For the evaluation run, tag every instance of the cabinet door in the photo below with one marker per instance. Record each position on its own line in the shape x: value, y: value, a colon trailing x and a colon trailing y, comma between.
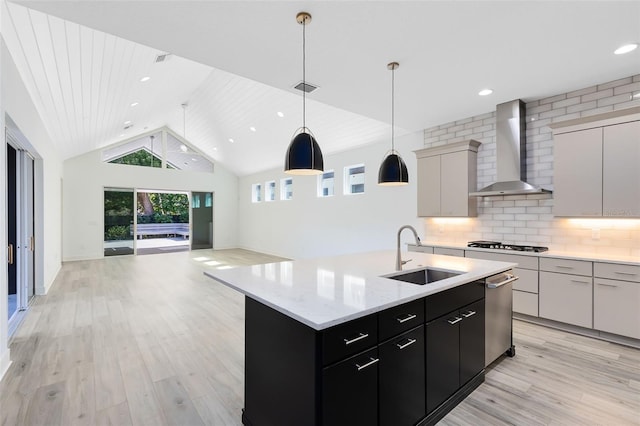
x: 350, y: 391
x: 577, y: 181
x: 621, y: 174
x: 616, y: 307
x: 471, y: 341
x: 443, y: 359
x: 429, y: 186
x: 566, y: 298
x: 402, y: 379
x: 454, y: 184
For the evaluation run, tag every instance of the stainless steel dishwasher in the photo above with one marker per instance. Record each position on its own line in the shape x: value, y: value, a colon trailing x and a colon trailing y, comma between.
x: 498, y: 316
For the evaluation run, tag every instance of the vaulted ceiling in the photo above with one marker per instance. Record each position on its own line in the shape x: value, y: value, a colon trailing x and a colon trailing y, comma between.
x: 235, y: 64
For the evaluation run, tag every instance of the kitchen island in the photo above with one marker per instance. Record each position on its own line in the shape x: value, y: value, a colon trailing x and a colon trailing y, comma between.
x: 334, y: 340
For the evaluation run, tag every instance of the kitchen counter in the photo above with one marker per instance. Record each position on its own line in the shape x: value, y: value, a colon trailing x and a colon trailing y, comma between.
x: 571, y: 255
x: 324, y: 292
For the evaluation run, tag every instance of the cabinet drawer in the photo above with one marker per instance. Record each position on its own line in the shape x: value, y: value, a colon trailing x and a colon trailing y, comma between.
x: 524, y: 262
x: 616, y: 271
x: 349, y: 338
x: 528, y: 280
x: 401, y: 318
x: 525, y: 303
x: 566, y: 266
x: 446, y: 301
x: 566, y: 298
x: 616, y: 307
x: 448, y: 251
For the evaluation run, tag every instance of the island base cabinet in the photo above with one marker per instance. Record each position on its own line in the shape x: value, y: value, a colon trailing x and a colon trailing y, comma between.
x: 443, y: 359
x: 350, y: 391
x: 402, y: 379
x: 472, y: 340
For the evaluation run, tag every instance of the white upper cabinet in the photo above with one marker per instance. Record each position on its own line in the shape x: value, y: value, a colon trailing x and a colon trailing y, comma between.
x: 596, y: 171
x: 621, y: 170
x: 577, y: 186
x: 446, y: 175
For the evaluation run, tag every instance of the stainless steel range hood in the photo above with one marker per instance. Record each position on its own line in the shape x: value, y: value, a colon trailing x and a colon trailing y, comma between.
x: 511, y: 153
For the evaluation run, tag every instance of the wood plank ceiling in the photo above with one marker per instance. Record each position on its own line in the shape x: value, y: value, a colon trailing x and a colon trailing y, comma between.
x: 86, y: 85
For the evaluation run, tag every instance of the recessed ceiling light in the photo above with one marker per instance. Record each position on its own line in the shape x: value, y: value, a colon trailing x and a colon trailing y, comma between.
x: 134, y: 104
x: 127, y: 122
x: 194, y: 159
x: 215, y: 148
x: 626, y: 48
x: 183, y: 148
x: 146, y: 78
x: 253, y: 129
x: 122, y: 135
x: 485, y: 92
x: 280, y: 114
x: 231, y: 140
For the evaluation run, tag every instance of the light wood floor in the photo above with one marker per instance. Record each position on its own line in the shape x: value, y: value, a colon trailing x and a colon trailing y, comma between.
x: 149, y: 340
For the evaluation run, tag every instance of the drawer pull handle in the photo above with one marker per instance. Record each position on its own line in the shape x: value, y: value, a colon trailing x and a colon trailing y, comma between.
x: 454, y: 320
x: 368, y: 364
x: 408, y: 317
x: 580, y: 282
x: 626, y: 273
x: 607, y: 285
x: 564, y: 267
x: 355, y: 339
x: 468, y: 314
x: 404, y: 345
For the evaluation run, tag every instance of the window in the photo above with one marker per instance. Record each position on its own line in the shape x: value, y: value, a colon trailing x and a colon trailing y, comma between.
x: 354, y: 179
x: 256, y: 193
x: 325, y: 184
x: 286, y: 189
x: 270, y: 191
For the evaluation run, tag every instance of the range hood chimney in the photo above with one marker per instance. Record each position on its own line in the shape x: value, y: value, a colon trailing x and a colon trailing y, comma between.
x: 511, y: 153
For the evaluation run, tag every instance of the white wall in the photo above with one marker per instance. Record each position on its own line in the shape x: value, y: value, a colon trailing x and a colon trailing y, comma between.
x: 86, y: 176
x: 309, y: 226
x: 16, y: 102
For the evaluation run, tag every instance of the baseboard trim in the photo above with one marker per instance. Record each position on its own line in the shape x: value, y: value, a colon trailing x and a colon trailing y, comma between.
x: 588, y: 332
x: 5, y: 362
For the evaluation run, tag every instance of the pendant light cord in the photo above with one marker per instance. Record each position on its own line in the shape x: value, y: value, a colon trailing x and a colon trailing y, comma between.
x: 393, y: 97
x: 304, y: 78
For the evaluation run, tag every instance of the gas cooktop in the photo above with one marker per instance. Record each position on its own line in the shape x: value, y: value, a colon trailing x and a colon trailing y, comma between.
x: 500, y: 246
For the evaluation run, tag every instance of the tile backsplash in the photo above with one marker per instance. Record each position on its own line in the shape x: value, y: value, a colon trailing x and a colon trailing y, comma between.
x: 528, y: 219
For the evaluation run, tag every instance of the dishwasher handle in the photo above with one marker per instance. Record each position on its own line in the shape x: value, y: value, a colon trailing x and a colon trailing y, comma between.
x: 509, y: 278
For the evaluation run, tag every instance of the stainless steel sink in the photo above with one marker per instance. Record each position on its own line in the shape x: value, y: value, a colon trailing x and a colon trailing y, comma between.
x: 423, y: 276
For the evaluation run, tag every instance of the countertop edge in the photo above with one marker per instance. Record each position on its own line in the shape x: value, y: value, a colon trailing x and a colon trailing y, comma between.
x: 550, y: 253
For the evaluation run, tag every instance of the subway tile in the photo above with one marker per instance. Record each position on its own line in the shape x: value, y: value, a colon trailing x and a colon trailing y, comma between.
x: 625, y: 97
x: 627, y: 88
x: 581, y: 92
x: 582, y: 106
x: 596, y: 111
x: 515, y: 210
x: 504, y: 203
x: 553, y: 99
x: 629, y: 104
x: 566, y: 102
x: 615, y: 83
x: 597, y: 95
x: 502, y: 216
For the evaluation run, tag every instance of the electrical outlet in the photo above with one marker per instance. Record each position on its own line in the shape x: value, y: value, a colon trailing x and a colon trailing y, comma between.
x: 595, y: 234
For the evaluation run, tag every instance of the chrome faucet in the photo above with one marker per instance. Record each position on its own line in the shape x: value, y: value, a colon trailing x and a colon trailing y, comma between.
x: 399, y: 261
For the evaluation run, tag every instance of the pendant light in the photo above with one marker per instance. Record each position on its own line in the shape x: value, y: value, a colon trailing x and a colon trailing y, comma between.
x: 393, y: 171
x: 303, y: 155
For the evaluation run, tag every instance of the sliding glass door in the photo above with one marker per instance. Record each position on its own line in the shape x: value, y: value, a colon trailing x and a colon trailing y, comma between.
x: 119, y: 208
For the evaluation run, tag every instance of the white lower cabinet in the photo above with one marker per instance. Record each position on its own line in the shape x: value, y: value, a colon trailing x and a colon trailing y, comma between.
x: 616, y: 307
x: 567, y: 298
x: 525, y: 303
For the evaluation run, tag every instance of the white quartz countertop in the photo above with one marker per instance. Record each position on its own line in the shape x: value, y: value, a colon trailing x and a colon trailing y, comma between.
x: 573, y: 255
x: 327, y: 291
